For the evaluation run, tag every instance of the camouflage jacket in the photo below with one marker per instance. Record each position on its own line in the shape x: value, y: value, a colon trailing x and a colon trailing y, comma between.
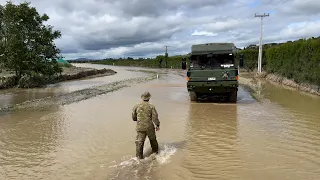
x: 145, y: 114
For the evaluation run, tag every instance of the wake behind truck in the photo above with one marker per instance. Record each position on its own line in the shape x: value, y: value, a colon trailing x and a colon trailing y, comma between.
x: 212, y: 72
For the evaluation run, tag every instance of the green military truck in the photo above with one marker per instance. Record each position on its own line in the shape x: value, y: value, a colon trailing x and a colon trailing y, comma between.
x: 212, y: 72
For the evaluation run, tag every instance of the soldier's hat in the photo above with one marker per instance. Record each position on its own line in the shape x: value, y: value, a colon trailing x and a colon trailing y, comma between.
x: 145, y: 96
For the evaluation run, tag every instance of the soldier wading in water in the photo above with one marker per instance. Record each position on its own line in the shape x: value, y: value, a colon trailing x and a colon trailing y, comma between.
x: 145, y: 114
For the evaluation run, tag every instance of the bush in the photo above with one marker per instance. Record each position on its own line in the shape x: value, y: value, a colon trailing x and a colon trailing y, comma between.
x: 35, y: 80
x: 298, y: 60
x: 67, y: 65
x: 7, y: 82
x: 174, y: 61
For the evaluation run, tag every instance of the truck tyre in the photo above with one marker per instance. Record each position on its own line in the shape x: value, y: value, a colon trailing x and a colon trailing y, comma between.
x: 193, y: 96
x: 233, y: 96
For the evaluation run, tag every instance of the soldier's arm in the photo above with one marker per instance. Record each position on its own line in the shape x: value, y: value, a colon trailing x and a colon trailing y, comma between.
x: 134, y: 113
x: 155, y: 117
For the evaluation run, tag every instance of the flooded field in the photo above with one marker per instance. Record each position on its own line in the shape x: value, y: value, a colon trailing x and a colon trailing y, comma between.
x: 94, y: 139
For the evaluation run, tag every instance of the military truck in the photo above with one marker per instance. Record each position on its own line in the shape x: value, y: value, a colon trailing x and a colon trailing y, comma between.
x: 212, y: 72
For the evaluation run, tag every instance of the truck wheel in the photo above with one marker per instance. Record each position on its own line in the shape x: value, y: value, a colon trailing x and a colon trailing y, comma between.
x: 193, y: 96
x: 233, y: 96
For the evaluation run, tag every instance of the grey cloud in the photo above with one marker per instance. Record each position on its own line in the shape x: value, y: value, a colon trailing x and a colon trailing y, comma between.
x: 108, y: 28
x: 160, y: 7
x: 301, y: 8
x: 129, y: 33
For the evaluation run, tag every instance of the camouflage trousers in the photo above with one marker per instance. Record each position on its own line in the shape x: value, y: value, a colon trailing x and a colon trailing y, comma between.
x: 140, y: 139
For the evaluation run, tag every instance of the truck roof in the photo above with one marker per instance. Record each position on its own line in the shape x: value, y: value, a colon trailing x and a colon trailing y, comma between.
x: 215, y: 48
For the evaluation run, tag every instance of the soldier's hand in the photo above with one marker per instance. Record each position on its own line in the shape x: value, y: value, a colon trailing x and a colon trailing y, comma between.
x: 157, y: 128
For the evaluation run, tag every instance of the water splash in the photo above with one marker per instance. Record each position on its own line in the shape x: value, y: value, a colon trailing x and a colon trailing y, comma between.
x: 132, y: 167
x: 162, y: 158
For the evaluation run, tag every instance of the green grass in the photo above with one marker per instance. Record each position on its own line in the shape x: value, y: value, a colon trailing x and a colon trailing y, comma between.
x: 174, y: 62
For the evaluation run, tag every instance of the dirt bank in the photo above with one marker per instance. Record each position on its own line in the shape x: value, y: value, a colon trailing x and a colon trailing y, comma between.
x: 254, y: 86
x: 284, y: 82
x: 289, y: 83
x: 81, y: 72
x: 304, y: 87
x: 8, y: 79
x: 68, y: 98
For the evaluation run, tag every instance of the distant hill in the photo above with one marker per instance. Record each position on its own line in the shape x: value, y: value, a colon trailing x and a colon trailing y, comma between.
x: 81, y: 59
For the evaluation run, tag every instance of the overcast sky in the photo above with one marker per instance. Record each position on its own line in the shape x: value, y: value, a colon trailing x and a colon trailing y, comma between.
x: 141, y: 28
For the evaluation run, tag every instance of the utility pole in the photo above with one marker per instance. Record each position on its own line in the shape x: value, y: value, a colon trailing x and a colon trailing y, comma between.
x: 166, y: 56
x: 261, y: 16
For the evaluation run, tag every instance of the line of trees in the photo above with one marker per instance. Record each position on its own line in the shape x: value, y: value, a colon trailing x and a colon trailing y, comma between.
x: 26, y: 44
x: 298, y: 60
x: 159, y: 61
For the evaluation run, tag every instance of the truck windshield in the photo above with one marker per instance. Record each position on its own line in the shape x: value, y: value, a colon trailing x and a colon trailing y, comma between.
x: 217, y: 60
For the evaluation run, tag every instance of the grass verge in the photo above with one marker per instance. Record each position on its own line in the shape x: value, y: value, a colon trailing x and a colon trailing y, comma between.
x: 254, y: 86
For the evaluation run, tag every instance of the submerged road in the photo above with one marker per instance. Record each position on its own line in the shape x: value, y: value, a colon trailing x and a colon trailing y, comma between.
x: 277, y: 139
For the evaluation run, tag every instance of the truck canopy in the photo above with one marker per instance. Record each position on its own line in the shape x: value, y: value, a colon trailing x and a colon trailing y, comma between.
x: 213, y: 48
x: 221, y: 55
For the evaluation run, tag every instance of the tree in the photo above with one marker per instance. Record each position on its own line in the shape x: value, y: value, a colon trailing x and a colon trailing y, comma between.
x: 159, y: 59
x: 26, y: 43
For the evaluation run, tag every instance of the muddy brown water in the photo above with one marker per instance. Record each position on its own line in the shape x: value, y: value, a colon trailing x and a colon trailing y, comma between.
x: 14, y: 96
x: 94, y: 139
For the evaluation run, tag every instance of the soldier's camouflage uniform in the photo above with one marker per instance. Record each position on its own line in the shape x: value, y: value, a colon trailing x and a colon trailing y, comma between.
x: 145, y: 114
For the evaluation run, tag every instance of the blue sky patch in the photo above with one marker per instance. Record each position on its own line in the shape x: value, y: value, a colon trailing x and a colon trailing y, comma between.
x: 254, y: 4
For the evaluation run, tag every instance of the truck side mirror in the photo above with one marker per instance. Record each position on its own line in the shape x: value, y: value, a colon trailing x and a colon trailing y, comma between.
x: 241, y: 64
x: 184, y: 63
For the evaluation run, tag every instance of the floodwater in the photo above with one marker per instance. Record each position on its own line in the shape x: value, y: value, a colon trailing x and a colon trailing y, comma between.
x: 15, y: 96
x: 94, y: 139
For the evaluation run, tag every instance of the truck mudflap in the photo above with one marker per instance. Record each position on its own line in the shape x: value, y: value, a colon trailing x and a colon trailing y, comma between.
x: 214, y: 91
x: 212, y: 87
x: 220, y: 98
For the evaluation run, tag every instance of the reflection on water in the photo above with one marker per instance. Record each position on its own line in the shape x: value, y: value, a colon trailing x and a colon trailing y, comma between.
x: 292, y: 99
x: 29, y: 141
x: 15, y: 96
x: 250, y: 141
x: 212, y: 139
x: 276, y: 144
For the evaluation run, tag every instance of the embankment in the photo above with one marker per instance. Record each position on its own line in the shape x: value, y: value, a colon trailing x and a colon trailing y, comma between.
x: 75, y: 73
x: 251, y: 81
x: 289, y: 83
x: 8, y: 80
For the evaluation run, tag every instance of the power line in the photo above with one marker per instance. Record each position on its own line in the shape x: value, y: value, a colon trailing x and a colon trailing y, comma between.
x: 166, y: 56
x: 261, y: 16
x: 275, y: 7
x: 261, y: 8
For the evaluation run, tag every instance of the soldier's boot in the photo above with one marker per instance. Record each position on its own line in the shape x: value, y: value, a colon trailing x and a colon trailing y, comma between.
x: 154, y: 146
x: 139, y: 149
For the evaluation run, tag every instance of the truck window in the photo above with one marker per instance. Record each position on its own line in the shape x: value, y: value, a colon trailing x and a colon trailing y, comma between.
x: 202, y: 61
